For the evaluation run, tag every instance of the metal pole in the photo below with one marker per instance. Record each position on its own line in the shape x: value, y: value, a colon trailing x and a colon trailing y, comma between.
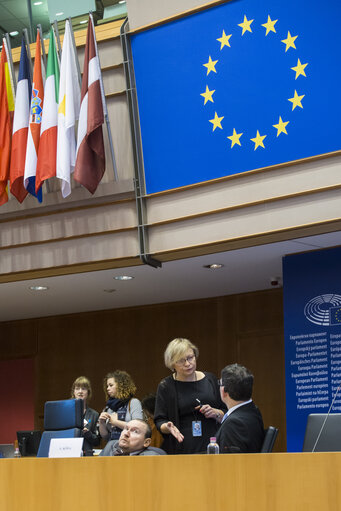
x: 105, y: 108
x: 30, y: 19
x: 56, y: 34
x: 75, y: 53
x: 28, y: 49
x: 39, y: 27
x: 139, y: 181
x: 10, y: 61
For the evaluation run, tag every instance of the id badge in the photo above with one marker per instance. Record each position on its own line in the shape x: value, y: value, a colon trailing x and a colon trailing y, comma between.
x: 196, y: 428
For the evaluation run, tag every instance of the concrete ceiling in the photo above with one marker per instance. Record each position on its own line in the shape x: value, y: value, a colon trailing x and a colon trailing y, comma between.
x: 244, y: 270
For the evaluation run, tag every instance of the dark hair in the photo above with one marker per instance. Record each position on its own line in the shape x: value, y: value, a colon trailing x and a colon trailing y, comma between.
x: 125, y: 385
x: 237, y: 381
x: 148, y: 403
x: 148, y: 433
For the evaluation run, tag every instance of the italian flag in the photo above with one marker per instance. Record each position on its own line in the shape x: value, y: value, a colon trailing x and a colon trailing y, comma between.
x: 47, y: 154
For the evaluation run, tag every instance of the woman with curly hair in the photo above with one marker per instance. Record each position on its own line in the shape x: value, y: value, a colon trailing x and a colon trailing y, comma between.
x: 121, y: 406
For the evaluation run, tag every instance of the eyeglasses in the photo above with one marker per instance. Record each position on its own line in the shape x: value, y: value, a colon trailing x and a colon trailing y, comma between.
x: 183, y: 361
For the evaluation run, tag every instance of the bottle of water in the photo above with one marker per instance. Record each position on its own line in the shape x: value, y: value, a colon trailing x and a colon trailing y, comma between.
x: 213, y: 447
x: 17, y: 453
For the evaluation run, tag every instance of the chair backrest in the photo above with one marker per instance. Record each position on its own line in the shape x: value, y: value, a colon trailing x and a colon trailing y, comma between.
x: 269, y: 439
x: 63, y: 414
x: 62, y: 419
x: 44, y: 446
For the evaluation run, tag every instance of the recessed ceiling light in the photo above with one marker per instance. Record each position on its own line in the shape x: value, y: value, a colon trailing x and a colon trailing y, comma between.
x: 59, y: 13
x: 38, y: 288
x: 214, y: 266
x: 37, y: 3
x: 14, y: 33
x: 123, y: 277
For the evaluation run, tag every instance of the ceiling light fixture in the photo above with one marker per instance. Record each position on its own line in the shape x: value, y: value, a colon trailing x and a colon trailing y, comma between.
x: 83, y: 21
x: 37, y: 3
x: 214, y: 266
x: 14, y: 33
x: 122, y: 1
x: 38, y: 288
x: 123, y: 277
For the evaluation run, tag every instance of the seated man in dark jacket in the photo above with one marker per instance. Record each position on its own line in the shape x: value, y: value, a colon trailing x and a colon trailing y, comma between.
x: 134, y: 441
x: 242, y: 428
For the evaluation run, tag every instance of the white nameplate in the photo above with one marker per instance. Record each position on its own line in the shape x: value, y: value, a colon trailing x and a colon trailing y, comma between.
x: 66, y: 447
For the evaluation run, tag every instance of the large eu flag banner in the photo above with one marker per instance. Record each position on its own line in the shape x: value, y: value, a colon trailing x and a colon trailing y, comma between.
x: 238, y: 87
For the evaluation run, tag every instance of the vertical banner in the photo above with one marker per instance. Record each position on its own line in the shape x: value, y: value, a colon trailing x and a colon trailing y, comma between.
x: 312, y: 328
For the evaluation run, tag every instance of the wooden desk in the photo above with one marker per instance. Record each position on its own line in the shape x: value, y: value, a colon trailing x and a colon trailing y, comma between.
x: 238, y: 482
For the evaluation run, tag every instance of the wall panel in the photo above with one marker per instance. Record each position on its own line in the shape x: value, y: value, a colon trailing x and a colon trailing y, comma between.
x: 244, y: 328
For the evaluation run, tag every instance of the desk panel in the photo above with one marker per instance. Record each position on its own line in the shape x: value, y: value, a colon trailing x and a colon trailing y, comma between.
x: 241, y: 482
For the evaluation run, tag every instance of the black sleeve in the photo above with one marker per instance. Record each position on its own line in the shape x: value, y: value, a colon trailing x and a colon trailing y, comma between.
x: 92, y: 436
x: 161, y: 414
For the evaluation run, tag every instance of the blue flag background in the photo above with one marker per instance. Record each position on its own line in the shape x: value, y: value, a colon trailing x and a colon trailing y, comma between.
x: 276, y: 89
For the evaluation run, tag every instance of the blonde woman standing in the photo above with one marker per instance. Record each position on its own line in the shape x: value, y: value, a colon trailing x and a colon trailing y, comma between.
x: 188, y: 407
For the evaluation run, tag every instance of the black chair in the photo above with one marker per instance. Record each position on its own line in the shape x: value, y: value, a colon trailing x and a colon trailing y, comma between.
x: 269, y: 439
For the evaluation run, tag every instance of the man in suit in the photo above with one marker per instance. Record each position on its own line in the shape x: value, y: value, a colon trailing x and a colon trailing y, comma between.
x: 242, y: 428
x: 134, y: 441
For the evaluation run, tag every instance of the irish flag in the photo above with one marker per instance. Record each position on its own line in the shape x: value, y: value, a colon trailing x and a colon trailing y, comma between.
x: 20, y: 127
x: 33, y: 138
x: 47, y: 154
x: 6, y: 119
x: 90, y: 163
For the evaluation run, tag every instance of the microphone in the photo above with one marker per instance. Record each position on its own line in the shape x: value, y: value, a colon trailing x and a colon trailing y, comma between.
x: 325, y: 420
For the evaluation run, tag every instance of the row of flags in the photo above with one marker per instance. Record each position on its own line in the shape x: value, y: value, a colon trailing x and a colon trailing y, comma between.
x: 38, y: 138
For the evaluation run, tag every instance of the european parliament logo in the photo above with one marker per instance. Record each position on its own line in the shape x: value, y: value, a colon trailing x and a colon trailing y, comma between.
x: 324, y: 310
x: 238, y: 87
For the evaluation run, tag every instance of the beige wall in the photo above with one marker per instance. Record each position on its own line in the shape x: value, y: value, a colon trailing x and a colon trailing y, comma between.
x: 145, y: 12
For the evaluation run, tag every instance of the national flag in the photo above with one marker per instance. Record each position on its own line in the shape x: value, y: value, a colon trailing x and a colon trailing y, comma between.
x: 33, y: 138
x: 90, y: 162
x: 20, y: 127
x: 68, y: 113
x: 47, y: 155
x: 6, y: 119
x: 238, y: 87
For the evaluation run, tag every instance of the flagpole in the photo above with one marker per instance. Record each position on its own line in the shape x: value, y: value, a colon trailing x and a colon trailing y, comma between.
x: 57, y: 38
x: 75, y: 52
x: 105, y: 108
x: 39, y: 27
x: 10, y: 61
x: 28, y: 50
x: 42, y: 46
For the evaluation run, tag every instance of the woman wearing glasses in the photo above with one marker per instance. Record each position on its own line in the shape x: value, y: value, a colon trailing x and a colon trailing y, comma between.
x: 188, y: 406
